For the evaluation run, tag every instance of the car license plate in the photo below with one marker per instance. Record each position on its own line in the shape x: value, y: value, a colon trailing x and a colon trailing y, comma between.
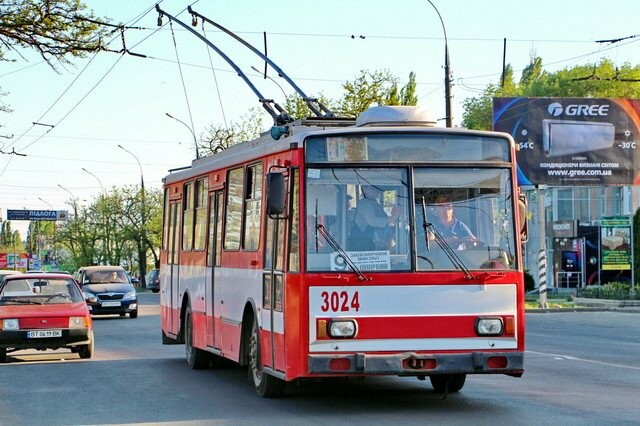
x: 110, y: 304
x: 40, y: 334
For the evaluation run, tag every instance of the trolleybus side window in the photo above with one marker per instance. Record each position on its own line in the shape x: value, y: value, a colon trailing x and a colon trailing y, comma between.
x: 201, y: 213
x: 165, y: 220
x: 233, y: 217
x: 253, y: 207
x: 187, y: 219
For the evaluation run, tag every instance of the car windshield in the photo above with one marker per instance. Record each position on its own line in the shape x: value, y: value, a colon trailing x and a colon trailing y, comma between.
x: 40, y: 291
x: 105, y: 277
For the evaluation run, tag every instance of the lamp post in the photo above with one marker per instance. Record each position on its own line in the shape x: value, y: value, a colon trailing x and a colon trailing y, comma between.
x: 97, y: 178
x: 195, y: 141
x: 275, y: 82
x: 142, y: 249
x: 447, y: 71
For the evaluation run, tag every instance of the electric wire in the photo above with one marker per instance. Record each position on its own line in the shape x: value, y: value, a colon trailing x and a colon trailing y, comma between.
x: 184, y: 87
x: 215, y: 79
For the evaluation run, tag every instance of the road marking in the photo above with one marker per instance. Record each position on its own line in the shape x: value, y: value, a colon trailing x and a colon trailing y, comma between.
x: 573, y: 358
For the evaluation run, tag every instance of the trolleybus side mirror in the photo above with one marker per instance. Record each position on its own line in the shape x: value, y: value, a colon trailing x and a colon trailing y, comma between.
x: 522, y: 215
x: 276, y: 194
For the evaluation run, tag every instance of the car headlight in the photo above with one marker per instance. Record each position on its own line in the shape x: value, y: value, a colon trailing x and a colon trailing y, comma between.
x: 130, y: 295
x: 10, y: 324
x: 342, y: 328
x: 79, y: 322
x: 489, y: 326
x: 88, y: 295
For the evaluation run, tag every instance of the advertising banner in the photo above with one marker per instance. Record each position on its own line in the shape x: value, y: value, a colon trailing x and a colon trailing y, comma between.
x: 572, y: 141
x: 37, y: 215
x: 615, y: 240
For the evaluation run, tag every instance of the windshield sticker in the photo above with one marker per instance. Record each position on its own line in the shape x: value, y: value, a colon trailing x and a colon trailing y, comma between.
x: 365, y: 260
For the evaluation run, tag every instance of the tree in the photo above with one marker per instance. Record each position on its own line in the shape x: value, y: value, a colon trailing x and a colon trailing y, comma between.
x: 219, y: 138
x: 601, y: 80
x: 374, y: 88
x: 368, y: 89
x: 111, y: 231
x: 54, y: 28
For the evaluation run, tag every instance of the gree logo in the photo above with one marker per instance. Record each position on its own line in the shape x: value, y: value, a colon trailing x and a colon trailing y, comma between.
x: 556, y: 109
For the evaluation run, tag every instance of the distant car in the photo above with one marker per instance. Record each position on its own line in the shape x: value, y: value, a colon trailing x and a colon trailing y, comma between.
x: 133, y: 280
x: 44, y: 311
x: 111, y: 288
x: 6, y: 272
x: 153, y: 280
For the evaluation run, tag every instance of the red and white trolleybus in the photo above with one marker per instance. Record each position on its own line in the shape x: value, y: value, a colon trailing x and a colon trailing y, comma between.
x: 270, y: 260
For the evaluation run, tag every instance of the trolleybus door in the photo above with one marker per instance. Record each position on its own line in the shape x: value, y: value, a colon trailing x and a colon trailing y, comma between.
x: 172, y: 286
x: 273, y: 295
x: 213, y: 261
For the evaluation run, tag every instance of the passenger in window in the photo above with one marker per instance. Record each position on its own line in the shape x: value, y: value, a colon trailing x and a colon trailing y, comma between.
x: 454, y: 231
x: 372, y: 227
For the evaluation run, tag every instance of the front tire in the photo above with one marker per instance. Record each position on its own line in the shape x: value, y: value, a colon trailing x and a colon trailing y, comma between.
x: 86, y: 351
x: 266, y: 386
x: 133, y: 314
x: 3, y: 355
x: 447, y: 383
x: 196, y: 358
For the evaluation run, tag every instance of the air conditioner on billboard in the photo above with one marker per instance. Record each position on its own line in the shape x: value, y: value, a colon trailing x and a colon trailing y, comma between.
x: 565, y: 137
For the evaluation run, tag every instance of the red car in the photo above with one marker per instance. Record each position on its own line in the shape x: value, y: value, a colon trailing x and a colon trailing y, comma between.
x: 44, y: 311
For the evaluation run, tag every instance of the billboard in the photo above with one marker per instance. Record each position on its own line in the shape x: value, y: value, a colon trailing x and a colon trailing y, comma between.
x: 572, y: 141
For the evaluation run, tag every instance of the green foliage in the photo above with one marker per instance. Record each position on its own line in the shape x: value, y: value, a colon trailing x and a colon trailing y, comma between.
x: 54, y: 28
x: 613, y: 290
x: 529, y: 282
x: 375, y: 88
x: 120, y: 227
x: 603, y: 79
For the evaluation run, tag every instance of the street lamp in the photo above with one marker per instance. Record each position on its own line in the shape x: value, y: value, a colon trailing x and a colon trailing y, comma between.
x: 276, y: 83
x: 97, y: 178
x: 195, y: 141
x: 143, y: 240
x: 447, y: 72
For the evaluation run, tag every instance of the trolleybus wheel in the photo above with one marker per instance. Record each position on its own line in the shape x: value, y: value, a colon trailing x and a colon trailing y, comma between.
x: 266, y: 386
x: 448, y: 383
x: 196, y: 358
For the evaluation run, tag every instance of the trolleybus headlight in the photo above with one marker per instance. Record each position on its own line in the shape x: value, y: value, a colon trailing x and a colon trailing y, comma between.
x: 489, y: 326
x: 342, y: 328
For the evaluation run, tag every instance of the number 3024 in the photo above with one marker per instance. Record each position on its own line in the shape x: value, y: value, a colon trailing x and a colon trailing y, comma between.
x: 339, y: 301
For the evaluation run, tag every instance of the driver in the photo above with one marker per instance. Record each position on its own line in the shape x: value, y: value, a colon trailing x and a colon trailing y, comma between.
x: 454, y: 231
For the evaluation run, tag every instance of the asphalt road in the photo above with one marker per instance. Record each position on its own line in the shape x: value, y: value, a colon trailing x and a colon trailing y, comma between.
x: 581, y: 368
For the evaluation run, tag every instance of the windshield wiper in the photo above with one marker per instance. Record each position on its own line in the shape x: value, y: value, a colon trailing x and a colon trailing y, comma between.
x: 336, y: 247
x: 23, y: 301
x: 450, y: 252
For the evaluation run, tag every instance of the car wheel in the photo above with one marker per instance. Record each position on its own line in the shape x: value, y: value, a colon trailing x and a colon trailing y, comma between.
x: 448, y: 383
x: 156, y: 290
x: 133, y: 314
x: 3, y: 355
x: 86, y: 351
x: 196, y: 358
x: 266, y: 386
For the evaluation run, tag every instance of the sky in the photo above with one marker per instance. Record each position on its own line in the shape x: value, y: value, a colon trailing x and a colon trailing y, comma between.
x: 86, y: 110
